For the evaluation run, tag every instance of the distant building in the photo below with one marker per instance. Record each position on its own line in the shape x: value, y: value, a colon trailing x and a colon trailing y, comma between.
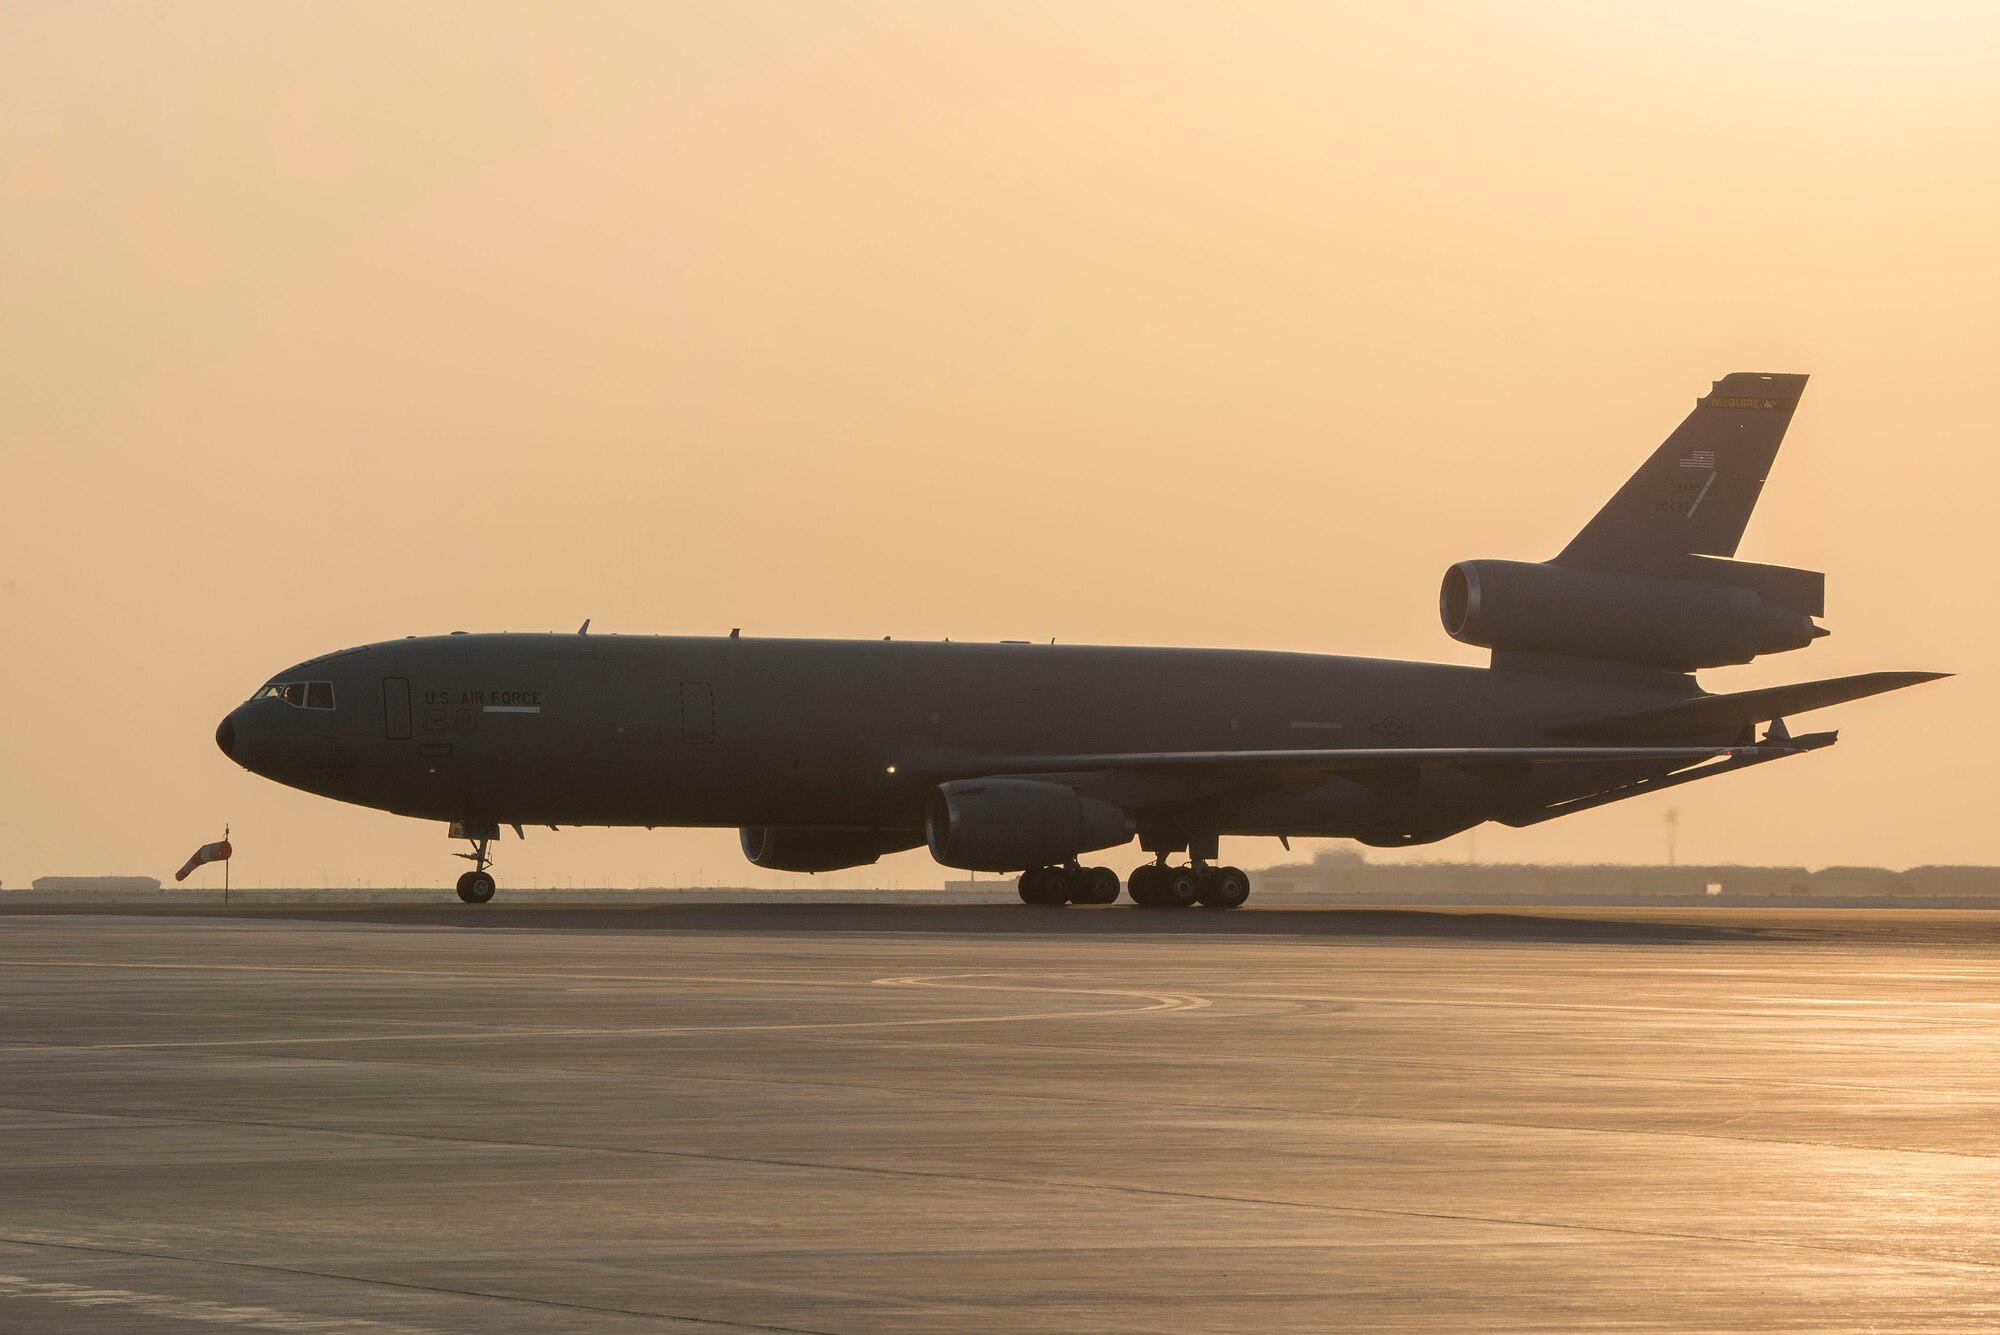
x: 94, y: 884
x: 1343, y: 874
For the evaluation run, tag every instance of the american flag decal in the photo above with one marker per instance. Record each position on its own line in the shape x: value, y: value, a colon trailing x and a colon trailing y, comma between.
x: 1699, y: 459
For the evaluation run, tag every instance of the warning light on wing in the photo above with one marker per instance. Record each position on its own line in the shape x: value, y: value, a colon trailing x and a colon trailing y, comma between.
x: 218, y: 851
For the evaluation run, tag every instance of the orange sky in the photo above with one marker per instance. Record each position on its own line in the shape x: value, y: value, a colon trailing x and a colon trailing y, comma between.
x: 1134, y: 323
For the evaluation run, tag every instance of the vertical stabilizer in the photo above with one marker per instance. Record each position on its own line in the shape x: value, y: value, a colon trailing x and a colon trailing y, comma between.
x: 1694, y: 496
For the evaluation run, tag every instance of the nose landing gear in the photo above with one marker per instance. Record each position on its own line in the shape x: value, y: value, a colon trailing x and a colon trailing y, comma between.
x: 476, y: 886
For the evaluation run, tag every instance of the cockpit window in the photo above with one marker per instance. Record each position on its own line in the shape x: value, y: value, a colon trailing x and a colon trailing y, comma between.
x: 298, y: 694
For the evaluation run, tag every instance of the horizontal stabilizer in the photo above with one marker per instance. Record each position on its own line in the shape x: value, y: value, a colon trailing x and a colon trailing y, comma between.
x: 1721, y: 715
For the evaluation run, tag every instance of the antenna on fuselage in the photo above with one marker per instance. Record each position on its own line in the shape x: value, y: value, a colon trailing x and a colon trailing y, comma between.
x: 584, y: 629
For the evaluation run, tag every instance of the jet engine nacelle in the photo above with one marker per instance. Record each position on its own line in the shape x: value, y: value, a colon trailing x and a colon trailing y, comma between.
x: 812, y: 848
x: 1014, y: 824
x: 1682, y: 624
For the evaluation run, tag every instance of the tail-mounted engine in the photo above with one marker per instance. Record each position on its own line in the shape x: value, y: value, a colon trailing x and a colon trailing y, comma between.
x: 1718, y: 613
x: 1652, y: 579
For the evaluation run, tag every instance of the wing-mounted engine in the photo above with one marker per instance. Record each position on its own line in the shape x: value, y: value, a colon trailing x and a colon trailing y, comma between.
x: 813, y: 848
x: 1009, y: 824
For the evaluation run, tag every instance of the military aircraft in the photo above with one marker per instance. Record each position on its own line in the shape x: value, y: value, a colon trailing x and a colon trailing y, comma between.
x: 1019, y: 757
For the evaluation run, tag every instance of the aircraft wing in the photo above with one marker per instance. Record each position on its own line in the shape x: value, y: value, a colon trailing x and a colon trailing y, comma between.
x: 1314, y: 763
x: 1140, y: 779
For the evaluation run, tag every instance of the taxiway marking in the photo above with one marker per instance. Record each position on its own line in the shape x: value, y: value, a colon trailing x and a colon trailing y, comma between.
x: 1156, y: 1002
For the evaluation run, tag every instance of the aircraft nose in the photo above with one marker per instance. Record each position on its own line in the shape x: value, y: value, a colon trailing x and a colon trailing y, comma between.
x: 225, y: 736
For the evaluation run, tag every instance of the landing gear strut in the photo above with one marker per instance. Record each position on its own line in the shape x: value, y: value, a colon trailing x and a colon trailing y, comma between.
x: 476, y: 886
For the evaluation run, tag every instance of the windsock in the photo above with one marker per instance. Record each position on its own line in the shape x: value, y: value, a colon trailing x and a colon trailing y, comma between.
x: 215, y: 852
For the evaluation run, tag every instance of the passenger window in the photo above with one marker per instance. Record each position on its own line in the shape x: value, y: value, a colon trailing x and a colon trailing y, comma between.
x: 295, y: 693
x: 319, y: 695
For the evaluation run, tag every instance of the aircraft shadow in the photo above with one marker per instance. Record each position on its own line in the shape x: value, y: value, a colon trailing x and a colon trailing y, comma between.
x: 1016, y: 920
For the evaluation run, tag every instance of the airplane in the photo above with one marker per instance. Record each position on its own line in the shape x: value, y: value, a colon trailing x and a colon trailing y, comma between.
x: 1024, y: 758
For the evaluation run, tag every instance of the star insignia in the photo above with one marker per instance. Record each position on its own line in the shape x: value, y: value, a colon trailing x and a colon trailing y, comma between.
x: 1394, y: 729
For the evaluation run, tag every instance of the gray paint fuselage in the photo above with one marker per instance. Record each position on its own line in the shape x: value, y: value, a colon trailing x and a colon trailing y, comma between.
x: 641, y: 730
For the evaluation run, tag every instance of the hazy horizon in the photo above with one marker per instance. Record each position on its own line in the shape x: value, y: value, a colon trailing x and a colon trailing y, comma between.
x: 1117, y: 323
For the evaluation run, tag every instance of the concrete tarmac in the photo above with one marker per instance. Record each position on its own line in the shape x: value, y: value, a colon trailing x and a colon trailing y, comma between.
x: 853, y: 1118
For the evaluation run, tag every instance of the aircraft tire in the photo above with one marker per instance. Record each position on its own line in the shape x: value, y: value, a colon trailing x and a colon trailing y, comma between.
x: 1224, y: 888
x: 1157, y: 887
x: 1047, y: 886
x: 476, y: 887
x: 1056, y: 886
x: 1098, y: 885
x: 1176, y: 888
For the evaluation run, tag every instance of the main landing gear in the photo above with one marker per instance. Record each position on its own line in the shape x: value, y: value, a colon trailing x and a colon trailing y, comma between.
x: 1071, y: 884
x: 1154, y: 886
x: 1158, y: 886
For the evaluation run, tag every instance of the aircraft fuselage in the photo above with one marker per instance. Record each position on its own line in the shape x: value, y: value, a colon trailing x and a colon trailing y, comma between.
x: 643, y: 730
